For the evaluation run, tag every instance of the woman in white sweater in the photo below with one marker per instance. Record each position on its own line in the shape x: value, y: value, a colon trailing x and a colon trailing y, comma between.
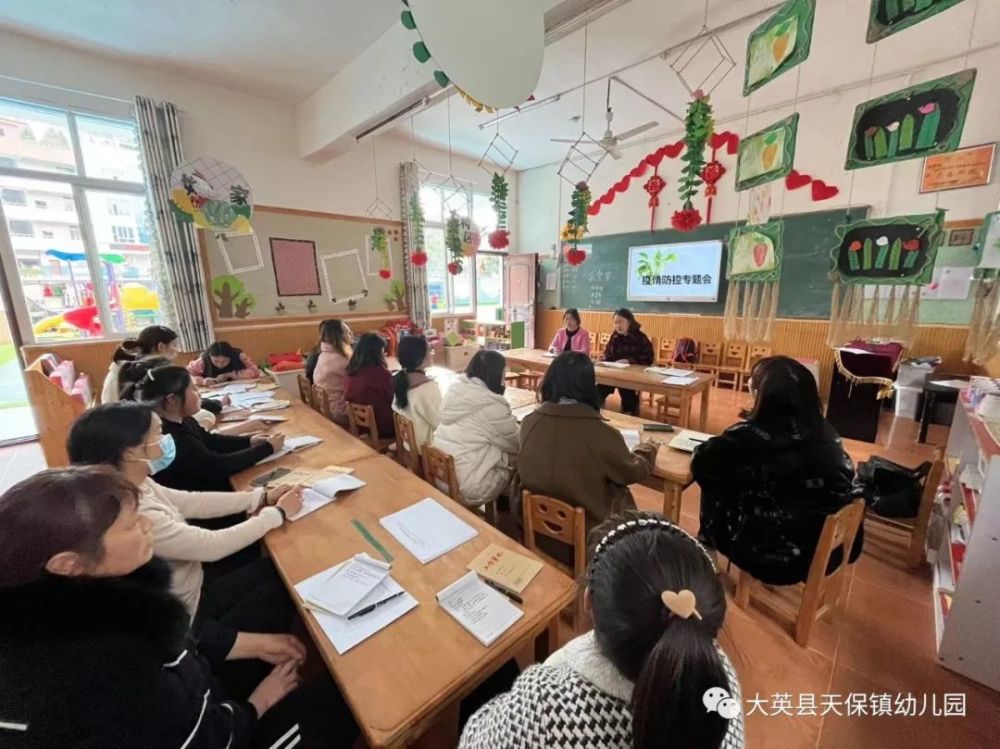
x: 417, y: 396
x: 237, y: 615
x: 478, y: 429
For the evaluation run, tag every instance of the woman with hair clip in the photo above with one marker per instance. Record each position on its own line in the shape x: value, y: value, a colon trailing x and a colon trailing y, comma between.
x: 204, y: 461
x: 628, y: 345
x: 331, y: 367
x: 479, y: 430
x: 220, y: 363
x: 155, y: 340
x: 95, y: 650
x: 650, y: 675
x: 368, y: 382
x: 418, y: 397
x: 769, y: 482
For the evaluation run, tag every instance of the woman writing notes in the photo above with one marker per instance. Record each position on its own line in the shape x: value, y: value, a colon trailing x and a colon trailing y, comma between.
x: 627, y: 345
x: 571, y: 337
x: 222, y: 363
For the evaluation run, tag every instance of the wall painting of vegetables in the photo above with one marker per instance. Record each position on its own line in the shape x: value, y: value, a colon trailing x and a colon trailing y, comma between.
x: 886, y: 251
x: 779, y: 44
x: 755, y: 252
x: 890, y: 16
x: 211, y: 195
x: 913, y: 123
x: 768, y: 154
x: 754, y: 271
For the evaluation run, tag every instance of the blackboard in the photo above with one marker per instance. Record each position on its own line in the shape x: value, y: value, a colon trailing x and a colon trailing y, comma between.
x: 600, y: 282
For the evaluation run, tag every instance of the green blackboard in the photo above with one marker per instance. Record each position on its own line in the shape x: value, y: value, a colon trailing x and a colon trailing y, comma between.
x: 600, y: 283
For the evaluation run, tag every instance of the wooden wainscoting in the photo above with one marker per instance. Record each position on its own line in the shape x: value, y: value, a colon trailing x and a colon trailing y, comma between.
x: 798, y: 338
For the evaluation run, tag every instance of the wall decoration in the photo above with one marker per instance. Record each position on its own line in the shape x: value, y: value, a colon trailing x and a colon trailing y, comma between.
x: 760, y: 204
x: 499, y: 238
x: 779, y: 44
x: 453, y: 243
x: 231, y: 299
x: 917, y: 121
x: 577, y: 225
x: 698, y: 128
x: 767, y: 154
x: 878, y: 267
x: 395, y: 300
x: 705, y: 62
x: 295, y: 269
x: 470, y: 235
x: 754, y: 271
x: 961, y: 237
x: 239, y: 259
x: 966, y: 167
x: 344, y: 277
x: 820, y: 189
x: 378, y: 246
x: 669, y: 151
x: 211, y: 195
x: 889, y: 16
x: 990, y: 243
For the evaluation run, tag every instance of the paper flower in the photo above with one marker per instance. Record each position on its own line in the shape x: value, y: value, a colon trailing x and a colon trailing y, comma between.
x: 686, y: 219
x: 419, y: 258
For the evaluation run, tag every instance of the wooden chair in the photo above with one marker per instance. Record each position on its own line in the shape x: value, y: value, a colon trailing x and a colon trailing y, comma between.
x: 305, y: 390
x: 602, y: 342
x: 665, y: 353
x: 822, y: 593
x: 668, y: 408
x: 407, y: 452
x: 439, y: 471
x: 730, y: 372
x: 529, y: 380
x: 321, y: 402
x: 555, y: 519
x: 361, y: 419
x: 709, y: 357
x: 755, y: 354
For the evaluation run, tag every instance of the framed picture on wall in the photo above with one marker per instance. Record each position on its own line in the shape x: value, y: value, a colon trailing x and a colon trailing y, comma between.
x: 295, y: 269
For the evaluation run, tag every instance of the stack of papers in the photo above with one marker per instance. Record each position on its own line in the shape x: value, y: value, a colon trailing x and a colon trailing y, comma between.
x: 680, y: 380
x: 549, y: 355
x: 521, y: 412
x: 615, y: 364
x: 669, y: 371
x: 688, y: 440
x: 268, y: 418
x: 631, y: 436
x: 230, y: 389
x: 245, y: 400
x: 292, y: 444
x: 270, y: 405
x: 427, y: 530
x: 263, y: 387
x: 485, y: 612
x: 323, y: 492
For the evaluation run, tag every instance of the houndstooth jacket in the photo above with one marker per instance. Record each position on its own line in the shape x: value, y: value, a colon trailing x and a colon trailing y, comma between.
x: 576, y: 700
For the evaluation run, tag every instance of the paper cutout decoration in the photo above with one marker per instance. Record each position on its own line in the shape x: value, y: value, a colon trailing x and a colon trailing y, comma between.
x: 878, y: 267
x: 346, y: 282
x: 890, y: 16
x: 211, y: 195
x: 230, y: 298
x: 231, y: 254
x: 779, y: 44
x: 912, y: 123
x: 767, y: 154
x: 295, y: 269
x: 753, y: 268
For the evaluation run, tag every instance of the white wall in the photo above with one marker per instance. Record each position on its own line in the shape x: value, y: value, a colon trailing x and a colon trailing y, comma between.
x: 255, y: 135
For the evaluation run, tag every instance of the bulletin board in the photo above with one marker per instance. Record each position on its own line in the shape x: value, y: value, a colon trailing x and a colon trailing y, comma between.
x: 302, y: 265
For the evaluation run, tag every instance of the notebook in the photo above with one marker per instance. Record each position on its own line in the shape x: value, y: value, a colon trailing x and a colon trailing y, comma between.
x: 271, y: 405
x: 688, y: 440
x: 632, y: 437
x: 427, y: 530
x: 506, y: 568
x: 483, y: 611
x: 324, y: 492
x: 669, y: 371
x: 268, y: 418
x: 292, y: 445
x: 342, y: 591
x: 615, y: 364
x: 683, y: 380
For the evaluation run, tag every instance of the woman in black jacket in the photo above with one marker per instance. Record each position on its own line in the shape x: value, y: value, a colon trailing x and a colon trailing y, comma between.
x: 94, y: 649
x: 769, y: 482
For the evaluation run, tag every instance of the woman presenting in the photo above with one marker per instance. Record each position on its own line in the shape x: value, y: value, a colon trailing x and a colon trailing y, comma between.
x: 628, y: 344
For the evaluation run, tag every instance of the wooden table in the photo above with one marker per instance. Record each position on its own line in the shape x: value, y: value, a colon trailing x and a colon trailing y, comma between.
x: 401, y: 680
x: 633, y: 377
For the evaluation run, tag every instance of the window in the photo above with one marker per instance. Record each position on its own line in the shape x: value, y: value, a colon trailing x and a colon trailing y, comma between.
x: 81, y: 154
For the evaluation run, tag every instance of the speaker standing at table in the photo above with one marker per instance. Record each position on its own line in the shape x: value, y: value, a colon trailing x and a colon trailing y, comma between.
x: 627, y: 344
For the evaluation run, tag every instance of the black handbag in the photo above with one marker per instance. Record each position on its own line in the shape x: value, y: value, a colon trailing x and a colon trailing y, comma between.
x: 892, y: 490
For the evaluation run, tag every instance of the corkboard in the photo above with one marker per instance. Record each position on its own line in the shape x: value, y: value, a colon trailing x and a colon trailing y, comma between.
x: 253, y: 296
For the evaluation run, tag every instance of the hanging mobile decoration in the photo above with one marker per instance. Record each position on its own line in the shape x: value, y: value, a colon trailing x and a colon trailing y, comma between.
x: 379, y: 243
x: 753, y: 270
x: 499, y: 238
x: 470, y: 236
x: 654, y: 186
x: 698, y: 127
x: 577, y: 226
x: 453, y: 243
x: 419, y: 255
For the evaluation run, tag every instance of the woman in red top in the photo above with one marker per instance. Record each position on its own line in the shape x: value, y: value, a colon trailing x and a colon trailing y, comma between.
x: 368, y: 382
x: 627, y: 344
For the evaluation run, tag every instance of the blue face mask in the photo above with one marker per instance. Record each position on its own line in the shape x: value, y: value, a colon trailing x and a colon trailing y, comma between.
x: 169, y: 453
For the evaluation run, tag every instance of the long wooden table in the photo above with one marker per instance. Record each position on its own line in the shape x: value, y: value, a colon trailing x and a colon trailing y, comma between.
x: 633, y: 377
x: 405, y: 677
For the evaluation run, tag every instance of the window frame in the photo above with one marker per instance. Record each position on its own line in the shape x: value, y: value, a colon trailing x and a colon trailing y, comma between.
x: 79, y: 184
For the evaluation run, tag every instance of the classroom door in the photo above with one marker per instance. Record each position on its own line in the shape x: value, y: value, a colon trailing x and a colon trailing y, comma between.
x: 520, y: 277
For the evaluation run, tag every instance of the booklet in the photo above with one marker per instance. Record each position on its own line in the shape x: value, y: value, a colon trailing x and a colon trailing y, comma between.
x: 507, y: 569
x: 632, y: 437
x: 428, y: 530
x: 351, y: 582
x: 324, y: 492
x: 670, y: 371
x: 485, y: 612
x: 292, y: 445
x: 688, y: 440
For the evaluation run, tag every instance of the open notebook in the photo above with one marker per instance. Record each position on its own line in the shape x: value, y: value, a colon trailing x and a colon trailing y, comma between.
x: 483, y: 611
x: 323, y: 492
x: 292, y: 445
x: 688, y: 440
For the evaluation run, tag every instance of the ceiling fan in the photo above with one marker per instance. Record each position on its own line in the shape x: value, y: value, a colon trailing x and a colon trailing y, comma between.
x: 609, y: 141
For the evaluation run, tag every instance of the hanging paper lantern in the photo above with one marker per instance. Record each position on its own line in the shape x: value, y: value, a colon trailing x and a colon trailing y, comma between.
x: 710, y: 174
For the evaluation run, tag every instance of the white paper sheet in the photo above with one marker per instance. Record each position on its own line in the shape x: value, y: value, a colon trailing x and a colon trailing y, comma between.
x: 292, y: 444
x: 230, y: 389
x: 687, y: 380
x: 483, y: 611
x: 345, y: 588
x: 269, y: 418
x: 632, y: 437
x: 948, y: 283
x: 324, y: 492
x: 521, y: 412
x: 670, y: 371
x: 428, y: 530
x: 614, y: 364
x: 271, y: 405
x: 688, y: 440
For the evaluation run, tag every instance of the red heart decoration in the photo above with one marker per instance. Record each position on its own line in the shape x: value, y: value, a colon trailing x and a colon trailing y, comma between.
x: 594, y: 209
x: 638, y: 171
x: 654, y: 158
x: 718, y: 140
x: 734, y: 144
x: 823, y: 191
x: 622, y: 184
x: 911, y: 244
x: 674, y: 150
x: 795, y: 180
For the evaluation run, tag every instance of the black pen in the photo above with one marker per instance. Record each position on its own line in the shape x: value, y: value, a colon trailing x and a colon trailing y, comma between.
x: 370, y: 609
x: 500, y: 589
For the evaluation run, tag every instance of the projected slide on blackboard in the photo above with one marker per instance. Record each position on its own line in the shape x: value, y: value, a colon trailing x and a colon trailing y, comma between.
x: 683, y: 272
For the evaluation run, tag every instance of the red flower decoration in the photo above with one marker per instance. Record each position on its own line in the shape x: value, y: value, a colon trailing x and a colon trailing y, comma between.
x: 499, y: 239
x: 454, y: 268
x: 575, y: 257
x: 419, y: 258
x: 686, y: 219
x: 385, y: 273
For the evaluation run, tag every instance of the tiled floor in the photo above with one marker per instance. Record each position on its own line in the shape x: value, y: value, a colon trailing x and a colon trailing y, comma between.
x: 884, y: 644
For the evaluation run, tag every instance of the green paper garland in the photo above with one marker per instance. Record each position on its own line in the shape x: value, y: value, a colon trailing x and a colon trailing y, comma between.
x: 698, y: 128
x: 453, y: 243
x: 417, y: 219
x: 498, y: 198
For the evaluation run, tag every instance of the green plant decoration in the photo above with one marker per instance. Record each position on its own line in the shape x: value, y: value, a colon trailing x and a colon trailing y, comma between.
x: 230, y: 298
x: 453, y: 243
x: 698, y: 128
x: 499, y: 238
x: 380, y: 244
x: 578, y: 216
x: 395, y: 300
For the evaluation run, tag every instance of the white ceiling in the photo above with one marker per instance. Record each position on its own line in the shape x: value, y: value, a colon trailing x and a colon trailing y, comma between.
x: 282, y: 50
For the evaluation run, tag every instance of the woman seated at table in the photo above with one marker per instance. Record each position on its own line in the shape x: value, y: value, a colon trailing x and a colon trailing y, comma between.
x: 640, y: 678
x: 153, y: 340
x: 204, y: 461
x: 571, y: 337
x: 222, y: 363
x: 418, y: 397
x: 479, y: 430
x: 314, y: 355
x: 368, y: 382
x: 95, y: 650
x: 629, y: 345
x: 568, y: 451
x: 242, y: 612
x: 331, y: 366
x: 769, y: 482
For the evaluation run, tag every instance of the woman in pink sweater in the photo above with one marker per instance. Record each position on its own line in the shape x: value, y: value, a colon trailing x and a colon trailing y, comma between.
x: 335, y: 351
x: 571, y: 337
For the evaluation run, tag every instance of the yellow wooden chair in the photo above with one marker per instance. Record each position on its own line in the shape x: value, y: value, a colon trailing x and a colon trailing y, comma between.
x: 552, y: 518
x: 361, y: 419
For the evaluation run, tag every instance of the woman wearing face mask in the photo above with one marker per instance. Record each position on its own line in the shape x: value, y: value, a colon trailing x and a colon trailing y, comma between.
x: 228, y: 609
x: 94, y: 649
x: 155, y: 340
x: 203, y: 461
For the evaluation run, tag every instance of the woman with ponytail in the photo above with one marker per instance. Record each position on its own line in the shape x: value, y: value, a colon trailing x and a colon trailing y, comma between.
x: 155, y: 340
x: 417, y: 396
x: 650, y: 675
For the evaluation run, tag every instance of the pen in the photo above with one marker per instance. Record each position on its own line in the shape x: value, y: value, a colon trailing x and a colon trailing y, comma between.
x: 370, y: 609
x: 499, y: 589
